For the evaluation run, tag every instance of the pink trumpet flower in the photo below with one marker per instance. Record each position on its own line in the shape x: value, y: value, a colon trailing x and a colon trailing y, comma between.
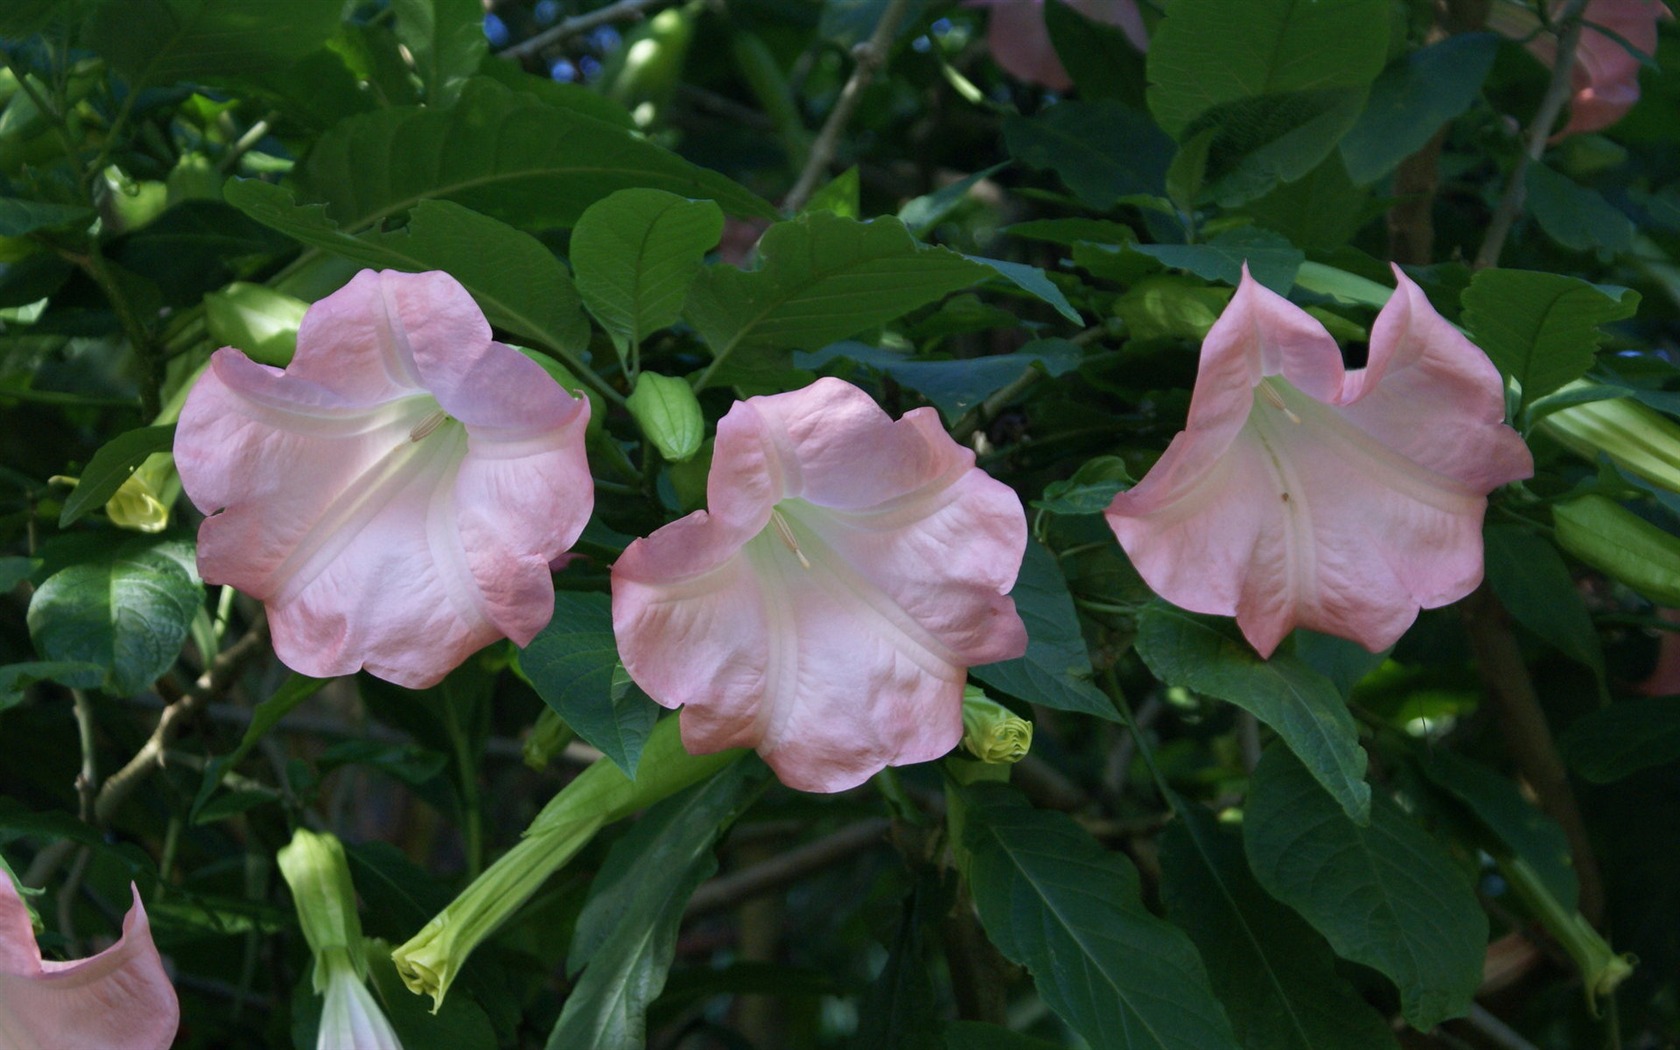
x: 1605, y: 74
x: 119, y: 999
x: 826, y: 606
x: 1020, y: 43
x: 396, y: 495
x: 1302, y: 494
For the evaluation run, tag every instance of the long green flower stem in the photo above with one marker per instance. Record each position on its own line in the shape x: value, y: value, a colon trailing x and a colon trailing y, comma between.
x: 1602, y: 969
x: 430, y: 960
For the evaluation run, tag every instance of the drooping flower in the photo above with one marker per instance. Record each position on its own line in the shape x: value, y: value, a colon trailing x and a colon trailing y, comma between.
x: 1605, y: 74
x: 1020, y: 43
x: 826, y: 606
x: 395, y: 496
x: 119, y: 999
x: 1303, y: 494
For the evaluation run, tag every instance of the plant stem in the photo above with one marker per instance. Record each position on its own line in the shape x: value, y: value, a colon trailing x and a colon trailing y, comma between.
x: 623, y: 11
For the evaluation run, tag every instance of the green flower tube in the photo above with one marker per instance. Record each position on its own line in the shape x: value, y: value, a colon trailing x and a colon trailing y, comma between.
x: 431, y: 960
x: 1642, y: 442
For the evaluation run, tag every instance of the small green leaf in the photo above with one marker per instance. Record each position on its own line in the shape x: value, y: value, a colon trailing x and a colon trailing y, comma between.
x: 626, y: 935
x: 19, y: 216
x: 821, y: 278
x: 954, y: 387
x: 572, y: 664
x: 1102, y: 150
x: 1271, y: 260
x: 1302, y: 706
x: 1541, y: 329
x: 294, y: 691
x: 839, y: 195
x: 127, y: 612
x: 446, y: 38
x: 1274, y: 973
x: 1056, y: 670
x: 635, y: 254
x: 1386, y: 895
x: 518, y: 283
x: 1054, y: 901
x: 1617, y: 741
x: 921, y: 214
x: 1032, y: 280
x: 111, y: 466
x: 15, y: 678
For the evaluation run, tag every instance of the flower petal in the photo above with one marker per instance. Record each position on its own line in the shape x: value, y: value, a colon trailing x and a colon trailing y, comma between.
x: 401, y: 534
x: 1605, y: 74
x: 1306, y: 496
x: 825, y: 610
x: 119, y: 999
x: 351, y: 1018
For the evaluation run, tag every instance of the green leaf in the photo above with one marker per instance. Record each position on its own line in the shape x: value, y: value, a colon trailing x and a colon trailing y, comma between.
x: 1054, y: 901
x: 1541, y: 329
x: 1499, y: 805
x: 1386, y: 896
x: 839, y: 195
x: 1416, y: 94
x: 127, y: 612
x: 446, y: 38
x: 1056, y: 670
x: 14, y: 569
x: 1091, y: 489
x: 1271, y: 260
x: 15, y: 678
x: 1573, y: 215
x: 954, y: 387
x: 111, y: 466
x: 1032, y: 280
x: 1102, y: 150
x: 923, y: 213
x: 1100, y: 59
x: 900, y: 1008
x: 1208, y: 52
x: 518, y: 283
x: 1532, y: 582
x: 164, y: 41
x: 626, y: 935
x: 571, y: 665
x: 505, y: 153
x: 1257, y: 143
x: 19, y: 216
x: 636, y: 253
x: 821, y: 278
x: 1617, y: 741
x: 294, y: 691
x: 1303, y: 707
x: 1274, y: 973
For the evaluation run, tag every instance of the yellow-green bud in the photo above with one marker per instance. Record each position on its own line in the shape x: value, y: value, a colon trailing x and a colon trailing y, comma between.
x: 547, y: 738
x: 991, y: 732
x: 315, y: 869
x: 1641, y: 441
x: 1622, y: 545
x: 669, y: 415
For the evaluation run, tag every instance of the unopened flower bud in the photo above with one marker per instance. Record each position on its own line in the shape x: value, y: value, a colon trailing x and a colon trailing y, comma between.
x: 256, y: 319
x: 669, y: 415
x: 547, y: 738
x: 992, y: 732
x: 1642, y: 442
x: 1622, y: 545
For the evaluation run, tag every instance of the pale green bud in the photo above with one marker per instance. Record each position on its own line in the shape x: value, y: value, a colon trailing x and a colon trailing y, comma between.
x: 669, y: 415
x: 1602, y: 969
x: 991, y: 732
x: 430, y: 960
x: 1620, y: 544
x: 315, y: 869
x: 135, y: 505
x: 1643, y: 442
x: 258, y: 320
x: 547, y: 738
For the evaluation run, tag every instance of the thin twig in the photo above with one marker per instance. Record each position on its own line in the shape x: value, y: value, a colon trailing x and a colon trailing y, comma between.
x: 87, y: 781
x: 775, y: 872
x: 871, y: 55
x: 1496, y: 1031
x: 623, y: 11
x: 1539, y: 131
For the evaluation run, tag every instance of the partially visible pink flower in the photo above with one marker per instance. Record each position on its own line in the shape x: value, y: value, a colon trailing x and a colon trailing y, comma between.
x: 1606, y: 73
x: 119, y: 999
x: 826, y: 606
x: 1304, y: 495
x: 396, y: 495
x: 1664, y: 679
x: 1020, y: 43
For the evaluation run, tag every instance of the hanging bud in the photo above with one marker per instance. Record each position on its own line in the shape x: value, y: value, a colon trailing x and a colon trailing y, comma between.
x: 991, y: 732
x: 1602, y: 969
x: 669, y: 415
x: 1641, y: 441
x: 1622, y: 545
x: 547, y: 738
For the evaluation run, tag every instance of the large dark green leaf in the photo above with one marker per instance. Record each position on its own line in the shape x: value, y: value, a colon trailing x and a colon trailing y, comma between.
x: 1385, y: 895
x: 1102, y: 150
x: 126, y: 611
x: 1529, y: 577
x: 1541, y: 329
x: 900, y: 1009
x: 1574, y: 215
x: 636, y: 253
x: 1620, y: 740
x: 1302, y: 706
x: 162, y: 41
x: 1056, y: 670
x: 1068, y: 910
x: 626, y: 935
x: 1416, y: 94
x: 504, y: 153
x: 1274, y: 973
x: 822, y: 278
x: 519, y: 284
x: 1099, y: 57
x: 571, y: 665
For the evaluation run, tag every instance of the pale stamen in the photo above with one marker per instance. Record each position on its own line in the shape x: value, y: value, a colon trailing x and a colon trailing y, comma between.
x: 1270, y: 393
x: 786, y: 534
x: 427, y: 425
